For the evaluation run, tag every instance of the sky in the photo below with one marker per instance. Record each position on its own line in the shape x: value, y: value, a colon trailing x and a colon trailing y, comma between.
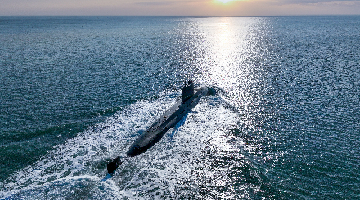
x: 178, y: 7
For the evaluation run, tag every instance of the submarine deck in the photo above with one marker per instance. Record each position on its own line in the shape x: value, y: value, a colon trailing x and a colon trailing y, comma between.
x: 167, y: 120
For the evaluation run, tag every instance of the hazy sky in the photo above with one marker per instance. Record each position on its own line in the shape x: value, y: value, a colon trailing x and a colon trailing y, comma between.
x: 180, y: 7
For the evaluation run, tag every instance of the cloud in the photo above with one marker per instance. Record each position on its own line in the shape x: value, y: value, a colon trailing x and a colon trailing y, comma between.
x: 179, y: 7
x: 155, y: 3
x: 315, y: 1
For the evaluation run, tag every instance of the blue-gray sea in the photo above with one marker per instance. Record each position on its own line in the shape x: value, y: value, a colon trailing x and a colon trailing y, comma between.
x: 75, y: 92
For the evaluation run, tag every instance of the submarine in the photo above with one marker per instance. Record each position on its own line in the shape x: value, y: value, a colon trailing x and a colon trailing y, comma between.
x: 190, y: 98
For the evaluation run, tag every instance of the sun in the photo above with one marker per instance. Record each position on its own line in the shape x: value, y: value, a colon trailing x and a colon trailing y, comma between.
x: 225, y: 1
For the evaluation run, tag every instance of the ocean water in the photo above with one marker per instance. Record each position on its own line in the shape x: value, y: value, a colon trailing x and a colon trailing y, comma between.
x: 77, y: 91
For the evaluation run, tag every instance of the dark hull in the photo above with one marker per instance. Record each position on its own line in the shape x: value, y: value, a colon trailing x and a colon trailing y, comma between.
x: 168, y: 120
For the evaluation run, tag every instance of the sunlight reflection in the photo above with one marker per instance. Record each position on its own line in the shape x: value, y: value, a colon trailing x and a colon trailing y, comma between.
x: 227, y: 49
x: 236, y: 53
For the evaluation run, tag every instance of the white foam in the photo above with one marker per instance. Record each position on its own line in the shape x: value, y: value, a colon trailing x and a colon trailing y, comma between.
x: 76, y: 167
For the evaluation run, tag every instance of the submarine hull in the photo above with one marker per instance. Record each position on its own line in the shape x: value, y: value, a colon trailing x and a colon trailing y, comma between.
x: 168, y: 120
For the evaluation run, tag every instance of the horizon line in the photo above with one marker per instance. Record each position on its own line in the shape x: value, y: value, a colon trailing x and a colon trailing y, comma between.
x: 312, y: 15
